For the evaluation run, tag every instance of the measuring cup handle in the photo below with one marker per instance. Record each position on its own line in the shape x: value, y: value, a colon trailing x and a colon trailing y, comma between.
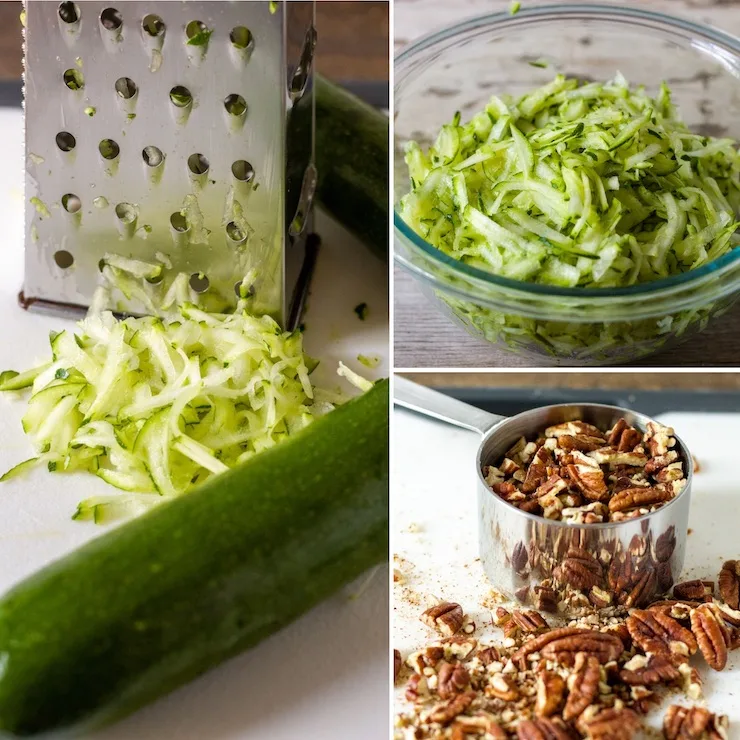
x: 423, y: 400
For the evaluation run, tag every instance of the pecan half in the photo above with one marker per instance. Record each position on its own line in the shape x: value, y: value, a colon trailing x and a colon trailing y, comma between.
x: 580, y: 442
x: 612, y: 724
x: 580, y: 569
x: 583, y: 685
x: 693, y: 723
x: 678, y: 610
x: 397, y: 665
x: 729, y: 584
x: 529, y: 621
x: 694, y: 590
x: 550, y: 693
x: 542, y: 729
x: 520, y: 558
x: 589, y: 480
x: 446, y: 712
x: 642, y: 591
x: 445, y: 617
x: 659, y: 634
x: 562, y: 645
x: 451, y: 680
x: 711, y: 635
x: 637, y: 498
x: 647, y: 671
x: 665, y: 545
x: 537, y: 470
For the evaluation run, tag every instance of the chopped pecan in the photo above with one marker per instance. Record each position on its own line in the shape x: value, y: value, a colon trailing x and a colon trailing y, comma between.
x: 529, y: 621
x: 501, y: 617
x: 711, y: 635
x: 460, y: 647
x: 552, y: 486
x: 508, y: 492
x: 659, y: 634
x: 531, y: 506
x: 672, y: 472
x: 729, y: 615
x: 444, y: 713
x: 658, y: 438
x: 520, y: 558
x: 563, y: 643
x: 543, y: 729
x: 599, y: 598
x: 509, y: 467
x: 428, y: 657
x: 397, y: 665
x: 550, y: 693
x: 729, y: 584
x: 678, y: 610
x: 517, y: 448
x: 623, y: 437
x: 580, y: 442
x: 642, y: 671
x: 612, y: 724
x: 693, y: 723
x: 583, y: 685
x: 580, y: 569
x: 638, y: 498
x: 694, y: 590
x: 489, y: 655
x: 589, y: 481
x: 654, y: 464
x: 610, y: 456
x: 482, y: 722
x: 445, y: 617
x: 573, y: 429
x: 451, y: 680
x: 502, y: 688
x: 546, y: 599
x: 416, y: 687
x: 537, y: 470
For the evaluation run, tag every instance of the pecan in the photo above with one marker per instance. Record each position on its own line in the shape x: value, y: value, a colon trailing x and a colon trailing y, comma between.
x: 659, y: 634
x: 508, y: 492
x: 531, y: 506
x: 550, y: 692
x: 520, y: 558
x: 580, y: 442
x: 546, y: 599
x: 615, y: 433
x: 621, y: 573
x: 397, y: 665
x: 612, y: 724
x: 552, y: 486
x: 638, y: 498
x: 678, y: 610
x: 711, y: 635
x: 542, y: 729
x: 610, y: 456
x: 583, y: 685
x: 729, y: 615
x: 444, y: 713
x: 428, y: 657
x: 445, y: 617
x: 665, y: 545
x: 580, y: 569
x: 502, y: 688
x: 693, y: 723
x: 729, y: 584
x: 658, y: 438
x: 694, y: 590
x: 509, y: 467
x: 562, y: 644
x: 664, y: 576
x: 624, y: 437
x: 589, y: 481
x: 517, y: 448
x: 537, y: 470
x: 654, y: 464
x: 489, y: 655
x: 501, y: 616
x: 529, y: 621
x: 599, y: 598
x: 451, y: 680
x: 460, y: 647
x: 482, y: 722
x: 643, y: 590
x: 573, y: 429
x: 648, y: 671
x: 416, y: 687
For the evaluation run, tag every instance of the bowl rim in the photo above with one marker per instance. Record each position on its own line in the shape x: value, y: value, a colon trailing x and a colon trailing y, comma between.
x: 541, y: 13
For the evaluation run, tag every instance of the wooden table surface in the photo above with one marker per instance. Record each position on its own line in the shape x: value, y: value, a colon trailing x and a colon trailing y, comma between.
x: 354, y: 38
x: 426, y: 338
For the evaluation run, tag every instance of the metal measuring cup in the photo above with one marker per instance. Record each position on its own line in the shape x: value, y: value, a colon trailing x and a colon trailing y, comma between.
x: 558, y: 566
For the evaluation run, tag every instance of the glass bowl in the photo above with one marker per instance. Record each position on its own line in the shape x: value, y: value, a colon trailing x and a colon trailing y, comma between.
x: 459, y: 68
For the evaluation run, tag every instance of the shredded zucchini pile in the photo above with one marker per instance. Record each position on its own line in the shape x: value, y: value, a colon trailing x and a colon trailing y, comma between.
x: 155, y: 405
x: 592, y: 185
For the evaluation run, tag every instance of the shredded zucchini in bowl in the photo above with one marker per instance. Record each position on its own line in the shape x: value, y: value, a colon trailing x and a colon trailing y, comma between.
x: 577, y: 185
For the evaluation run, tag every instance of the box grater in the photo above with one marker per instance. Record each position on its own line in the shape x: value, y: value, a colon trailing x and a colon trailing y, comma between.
x: 162, y: 132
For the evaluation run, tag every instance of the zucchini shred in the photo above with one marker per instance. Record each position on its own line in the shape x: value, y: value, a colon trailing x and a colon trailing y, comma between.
x: 156, y: 405
x: 576, y: 185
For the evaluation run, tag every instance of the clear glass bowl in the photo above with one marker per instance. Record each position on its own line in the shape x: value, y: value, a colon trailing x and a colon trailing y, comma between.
x: 461, y: 67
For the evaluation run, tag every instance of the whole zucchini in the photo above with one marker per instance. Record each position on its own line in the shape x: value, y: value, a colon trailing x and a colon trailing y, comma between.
x: 351, y: 159
x: 163, y: 598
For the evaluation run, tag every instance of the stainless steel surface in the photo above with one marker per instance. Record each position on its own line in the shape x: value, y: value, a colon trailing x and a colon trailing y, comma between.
x: 523, y: 555
x: 423, y: 400
x: 229, y: 171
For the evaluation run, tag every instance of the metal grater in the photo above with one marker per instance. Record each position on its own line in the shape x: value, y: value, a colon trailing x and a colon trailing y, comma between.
x: 164, y: 131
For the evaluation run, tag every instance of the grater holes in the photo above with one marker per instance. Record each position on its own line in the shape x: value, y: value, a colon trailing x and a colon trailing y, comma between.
x: 71, y: 203
x: 153, y: 156
x: 153, y: 25
x: 242, y: 170
x: 199, y: 282
x: 241, y: 38
x: 197, y: 33
x: 109, y: 149
x: 198, y: 164
x: 69, y: 12
x: 179, y: 222
x: 181, y: 96
x: 126, y: 213
x: 111, y: 19
x: 126, y: 88
x: 242, y: 291
x: 65, y: 141
x: 235, y: 233
x: 74, y: 79
x: 235, y: 105
x: 64, y: 259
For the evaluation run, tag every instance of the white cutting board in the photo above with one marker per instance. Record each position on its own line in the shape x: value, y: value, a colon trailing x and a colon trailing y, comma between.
x: 433, y: 511
x: 326, y: 673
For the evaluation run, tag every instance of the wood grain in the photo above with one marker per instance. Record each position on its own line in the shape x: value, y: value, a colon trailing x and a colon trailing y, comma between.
x: 426, y: 338
x: 353, y: 39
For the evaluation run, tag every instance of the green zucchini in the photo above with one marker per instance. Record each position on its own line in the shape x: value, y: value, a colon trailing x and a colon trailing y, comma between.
x: 163, y: 598
x: 352, y: 162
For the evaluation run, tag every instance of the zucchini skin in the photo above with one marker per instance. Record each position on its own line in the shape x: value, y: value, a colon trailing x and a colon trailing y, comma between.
x: 352, y: 162
x: 159, y: 600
